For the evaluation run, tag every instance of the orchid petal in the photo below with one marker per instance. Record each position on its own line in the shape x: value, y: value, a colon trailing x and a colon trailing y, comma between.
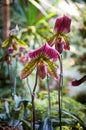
x: 52, y: 69
x: 18, y: 41
x: 47, y: 50
x: 62, y: 25
x: 7, y: 42
x: 51, y: 53
x: 28, y: 68
x: 42, y: 70
x: 78, y: 82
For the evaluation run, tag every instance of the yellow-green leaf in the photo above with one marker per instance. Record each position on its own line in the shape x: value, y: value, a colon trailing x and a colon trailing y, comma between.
x: 18, y: 41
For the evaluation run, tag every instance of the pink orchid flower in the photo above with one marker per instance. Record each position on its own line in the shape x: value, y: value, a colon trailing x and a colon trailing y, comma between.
x: 78, y: 82
x: 42, y: 58
x: 61, y: 28
x: 62, y: 25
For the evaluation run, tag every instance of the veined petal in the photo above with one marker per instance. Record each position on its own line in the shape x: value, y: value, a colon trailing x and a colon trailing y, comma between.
x: 46, y: 50
x: 34, y: 53
x: 51, y: 53
x: 18, y: 41
x: 28, y: 68
x: 62, y: 25
x: 42, y: 70
x: 52, y: 69
x: 66, y: 43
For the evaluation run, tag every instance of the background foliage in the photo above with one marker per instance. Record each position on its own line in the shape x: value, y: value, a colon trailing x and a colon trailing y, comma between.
x: 35, y: 20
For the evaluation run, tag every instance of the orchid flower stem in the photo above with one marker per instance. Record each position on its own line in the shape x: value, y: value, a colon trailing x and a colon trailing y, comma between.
x: 59, y: 91
x: 49, y: 112
x: 33, y: 97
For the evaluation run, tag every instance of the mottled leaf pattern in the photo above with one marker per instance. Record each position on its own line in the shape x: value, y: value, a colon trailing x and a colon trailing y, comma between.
x: 29, y: 68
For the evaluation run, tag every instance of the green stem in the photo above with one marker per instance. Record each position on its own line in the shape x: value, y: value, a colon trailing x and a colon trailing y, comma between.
x: 33, y: 97
x: 59, y: 91
x: 49, y: 112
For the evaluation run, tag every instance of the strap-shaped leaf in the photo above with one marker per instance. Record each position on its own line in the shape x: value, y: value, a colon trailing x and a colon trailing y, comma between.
x: 18, y: 41
x: 7, y: 42
x: 28, y: 68
x: 52, y: 69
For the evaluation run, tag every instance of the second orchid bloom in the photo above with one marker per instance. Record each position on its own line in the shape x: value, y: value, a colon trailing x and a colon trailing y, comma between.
x: 61, y: 28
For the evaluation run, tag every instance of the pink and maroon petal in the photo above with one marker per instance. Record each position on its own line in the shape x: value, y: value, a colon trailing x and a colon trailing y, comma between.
x: 42, y: 70
x: 78, y: 82
x: 47, y: 50
x: 59, y: 45
x: 33, y: 54
x: 62, y: 25
x: 51, y: 53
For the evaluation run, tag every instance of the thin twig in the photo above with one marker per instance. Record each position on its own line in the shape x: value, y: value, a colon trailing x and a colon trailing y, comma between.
x: 59, y: 92
x: 49, y: 97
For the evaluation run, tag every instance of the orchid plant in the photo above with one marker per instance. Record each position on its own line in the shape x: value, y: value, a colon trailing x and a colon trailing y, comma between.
x: 44, y: 59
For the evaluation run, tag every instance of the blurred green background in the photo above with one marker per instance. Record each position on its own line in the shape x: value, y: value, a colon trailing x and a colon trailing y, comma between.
x: 36, y: 19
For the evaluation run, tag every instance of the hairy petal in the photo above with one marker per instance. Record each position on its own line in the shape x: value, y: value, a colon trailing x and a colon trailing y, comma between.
x: 52, y: 69
x: 62, y: 25
x: 29, y: 67
x: 66, y: 43
x: 78, y: 82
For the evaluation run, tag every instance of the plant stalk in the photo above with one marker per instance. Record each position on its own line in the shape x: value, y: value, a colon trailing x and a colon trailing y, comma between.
x: 49, y: 111
x: 33, y: 104
x: 59, y: 91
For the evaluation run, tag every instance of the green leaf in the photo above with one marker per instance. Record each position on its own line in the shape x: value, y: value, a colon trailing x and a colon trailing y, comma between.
x: 32, y: 14
x: 18, y: 41
x: 52, y: 69
x: 38, y: 6
x: 29, y: 68
x: 7, y: 42
x: 43, y: 18
x: 26, y: 123
x: 75, y: 117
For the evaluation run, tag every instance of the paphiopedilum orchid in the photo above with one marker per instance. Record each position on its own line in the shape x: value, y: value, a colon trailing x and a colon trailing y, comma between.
x: 42, y: 58
x: 61, y: 28
x: 12, y: 40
